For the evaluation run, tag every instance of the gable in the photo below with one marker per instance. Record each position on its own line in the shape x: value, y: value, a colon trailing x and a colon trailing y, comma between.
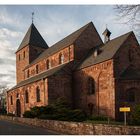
x: 106, y: 51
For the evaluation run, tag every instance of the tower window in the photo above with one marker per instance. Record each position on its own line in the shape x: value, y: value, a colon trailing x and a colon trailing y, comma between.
x: 26, y: 97
x: 11, y: 100
x: 37, y: 94
x: 61, y: 58
x: 37, y: 69
x: 91, y: 86
x: 19, y: 57
x: 24, y: 54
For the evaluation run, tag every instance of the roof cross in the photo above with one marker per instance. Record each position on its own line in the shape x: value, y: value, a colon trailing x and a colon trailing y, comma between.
x: 32, y: 17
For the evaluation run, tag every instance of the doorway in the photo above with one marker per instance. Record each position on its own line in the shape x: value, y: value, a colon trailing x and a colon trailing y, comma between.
x: 18, y: 108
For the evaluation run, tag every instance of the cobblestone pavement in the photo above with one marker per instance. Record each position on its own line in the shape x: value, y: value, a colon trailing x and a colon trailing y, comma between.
x: 12, y: 128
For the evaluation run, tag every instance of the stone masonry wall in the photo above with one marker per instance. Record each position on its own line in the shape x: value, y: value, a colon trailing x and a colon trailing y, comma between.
x: 54, y: 60
x: 128, y: 56
x: 31, y: 88
x: 103, y: 99
x: 77, y: 128
x: 87, y: 40
x: 22, y: 63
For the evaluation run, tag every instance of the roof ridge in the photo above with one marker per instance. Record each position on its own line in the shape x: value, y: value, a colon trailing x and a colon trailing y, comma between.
x: 73, y: 33
x: 83, y: 27
x: 121, y: 36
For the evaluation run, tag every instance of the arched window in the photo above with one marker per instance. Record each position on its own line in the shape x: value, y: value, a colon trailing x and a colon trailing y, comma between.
x: 37, y: 69
x: 130, y: 95
x: 91, y: 86
x: 19, y: 57
x: 17, y: 95
x: 26, y: 97
x: 48, y: 64
x: 61, y: 58
x: 24, y: 54
x: 28, y: 73
x: 37, y: 94
x: 11, y: 100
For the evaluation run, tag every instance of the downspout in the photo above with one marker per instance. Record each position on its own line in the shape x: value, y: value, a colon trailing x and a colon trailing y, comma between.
x: 7, y: 102
x: 98, y: 94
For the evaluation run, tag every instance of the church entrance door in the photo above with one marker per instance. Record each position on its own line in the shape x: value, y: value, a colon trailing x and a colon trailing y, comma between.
x: 18, y: 108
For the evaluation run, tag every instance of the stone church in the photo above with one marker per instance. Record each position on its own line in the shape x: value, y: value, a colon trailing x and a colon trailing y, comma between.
x: 94, y: 75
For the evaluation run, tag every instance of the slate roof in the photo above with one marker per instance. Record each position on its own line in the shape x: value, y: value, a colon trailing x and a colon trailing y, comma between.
x: 130, y: 74
x: 67, y: 41
x: 107, y: 51
x: 33, y: 37
x: 43, y: 75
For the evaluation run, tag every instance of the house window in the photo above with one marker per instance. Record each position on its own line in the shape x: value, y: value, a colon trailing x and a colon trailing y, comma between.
x: 48, y: 64
x: 28, y: 73
x: 11, y: 100
x: 26, y: 97
x: 24, y: 54
x: 61, y: 58
x: 37, y: 94
x: 91, y: 86
x: 19, y: 57
x: 130, y: 95
x: 36, y: 69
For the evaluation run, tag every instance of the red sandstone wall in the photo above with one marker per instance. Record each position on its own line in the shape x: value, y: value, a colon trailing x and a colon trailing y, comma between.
x: 54, y: 59
x: 121, y: 63
x: 35, y: 52
x: 87, y: 40
x: 22, y: 63
x: 104, y: 98
x: 30, y: 54
x: 121, y: 59
x: 59, y: 86
x: 31, y: 88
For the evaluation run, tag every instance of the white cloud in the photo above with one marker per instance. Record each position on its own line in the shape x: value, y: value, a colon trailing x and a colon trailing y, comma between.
x: 7, y: 18
x: 6, y: 33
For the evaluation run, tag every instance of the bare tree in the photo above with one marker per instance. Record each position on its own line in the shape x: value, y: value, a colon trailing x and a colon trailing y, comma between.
x: 3, y: 89
x: 130, y: 15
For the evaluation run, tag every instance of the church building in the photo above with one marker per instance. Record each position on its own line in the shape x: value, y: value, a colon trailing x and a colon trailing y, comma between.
x: 96, y: 76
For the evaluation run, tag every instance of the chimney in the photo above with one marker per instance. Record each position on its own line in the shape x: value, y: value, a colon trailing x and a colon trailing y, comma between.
x: 106, y: 34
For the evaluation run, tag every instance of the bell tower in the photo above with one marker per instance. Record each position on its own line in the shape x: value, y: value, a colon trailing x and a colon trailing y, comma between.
x: 30, y: 48
x: 106, y: 34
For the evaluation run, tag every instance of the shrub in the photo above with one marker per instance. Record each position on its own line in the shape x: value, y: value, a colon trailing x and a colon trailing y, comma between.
x: 3, y: 111
x: 76, y: 115
x: 97, y: 118
x: 11, y: 114
x: 28, y: 114
x: 60, y: 110
x: 135, y: 116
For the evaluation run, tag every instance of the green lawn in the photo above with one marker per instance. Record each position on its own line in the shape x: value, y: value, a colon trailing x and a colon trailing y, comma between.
x: 104, y: 122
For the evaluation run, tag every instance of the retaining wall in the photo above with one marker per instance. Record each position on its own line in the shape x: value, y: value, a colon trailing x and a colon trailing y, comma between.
x: 77, y: 128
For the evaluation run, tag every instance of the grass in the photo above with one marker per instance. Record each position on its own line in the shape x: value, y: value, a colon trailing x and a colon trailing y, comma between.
x: 104, y: 122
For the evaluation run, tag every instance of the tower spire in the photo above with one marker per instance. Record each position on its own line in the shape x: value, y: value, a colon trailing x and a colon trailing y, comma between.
x: 106, y: 34
x: 32, y: 17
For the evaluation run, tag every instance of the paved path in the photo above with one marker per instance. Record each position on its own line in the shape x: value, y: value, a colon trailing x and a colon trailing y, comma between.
x: 12, y: 128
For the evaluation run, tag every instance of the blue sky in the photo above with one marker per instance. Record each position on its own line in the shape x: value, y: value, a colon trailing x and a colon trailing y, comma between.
x: 53, y: 22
